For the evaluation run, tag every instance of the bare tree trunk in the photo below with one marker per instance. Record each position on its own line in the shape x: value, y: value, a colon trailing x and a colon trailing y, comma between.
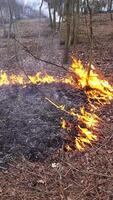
x: 90, y: 15
x: 50, y: 16
x: 73, y: 21
x: 66, y: 51
x: 76, y: 30
x: 54, y: 15
x: 3, y: 24
x: 10, y: 19
x: 60, y: 14
x: 110, y: 9
x: 91, y: 42
x: 41, y: 7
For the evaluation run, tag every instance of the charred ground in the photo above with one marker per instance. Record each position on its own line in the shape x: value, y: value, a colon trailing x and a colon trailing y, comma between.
x: 29, y: 124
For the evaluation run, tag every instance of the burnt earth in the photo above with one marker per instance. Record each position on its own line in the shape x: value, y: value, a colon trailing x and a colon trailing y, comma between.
x: 29, y: 124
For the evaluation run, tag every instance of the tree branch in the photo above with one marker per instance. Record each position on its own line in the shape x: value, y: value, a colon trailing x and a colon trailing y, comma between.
x: 36, y: 58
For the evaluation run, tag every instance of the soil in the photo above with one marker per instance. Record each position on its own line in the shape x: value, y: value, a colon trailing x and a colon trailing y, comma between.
x: 32, y: 160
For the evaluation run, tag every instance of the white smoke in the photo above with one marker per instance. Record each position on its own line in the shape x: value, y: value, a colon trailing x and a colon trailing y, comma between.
x: 35, y: 5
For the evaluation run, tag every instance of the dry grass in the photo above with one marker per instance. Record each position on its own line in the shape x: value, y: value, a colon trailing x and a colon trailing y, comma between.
x: 82, y: 176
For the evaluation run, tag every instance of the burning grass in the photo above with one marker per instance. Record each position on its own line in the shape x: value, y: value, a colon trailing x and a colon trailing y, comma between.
x: 97, y: 89
x: 99, y: 92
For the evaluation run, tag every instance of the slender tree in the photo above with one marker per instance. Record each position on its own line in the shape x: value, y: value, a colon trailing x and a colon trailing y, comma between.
x: 68, y: 29
x: 91, y: 41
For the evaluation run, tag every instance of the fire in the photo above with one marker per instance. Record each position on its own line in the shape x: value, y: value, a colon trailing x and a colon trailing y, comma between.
x: 88, y: 133
x: 16, y: 79
x: 39, y: 78
x: 86, y: 126
x: 12, y: 79
x: 86, y: 122
x: 89, y: 119
x: 98, y: 88
x: 3, y: 79
x: 66, y: 125
x: 99, y: 92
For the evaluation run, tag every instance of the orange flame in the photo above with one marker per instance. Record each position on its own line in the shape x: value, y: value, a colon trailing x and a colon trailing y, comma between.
x: 99, y: 92
x: 39, y: 78
x: 3, y: 79
x: 86, y: 134
x: 12, y: 79
x: 98, y: 89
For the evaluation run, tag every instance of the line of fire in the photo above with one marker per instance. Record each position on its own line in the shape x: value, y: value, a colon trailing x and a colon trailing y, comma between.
x: 85, y: 122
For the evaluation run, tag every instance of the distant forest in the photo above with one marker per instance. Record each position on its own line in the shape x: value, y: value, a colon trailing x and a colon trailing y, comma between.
x: 64, y: 16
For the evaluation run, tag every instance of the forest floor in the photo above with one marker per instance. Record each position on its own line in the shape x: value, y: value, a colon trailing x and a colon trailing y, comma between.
x: 32, y: 161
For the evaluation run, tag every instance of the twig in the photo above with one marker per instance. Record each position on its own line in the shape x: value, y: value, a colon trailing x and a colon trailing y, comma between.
x: 104, y: 143
x: 87, y: 189
x: 36, y: 58
x: 88, y: 172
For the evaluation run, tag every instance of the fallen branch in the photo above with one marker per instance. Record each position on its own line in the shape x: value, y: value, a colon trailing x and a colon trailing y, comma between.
x: 36, y: 58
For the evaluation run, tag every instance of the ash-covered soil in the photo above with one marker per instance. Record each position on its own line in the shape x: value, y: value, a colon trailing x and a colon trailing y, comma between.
x: 29, y: 124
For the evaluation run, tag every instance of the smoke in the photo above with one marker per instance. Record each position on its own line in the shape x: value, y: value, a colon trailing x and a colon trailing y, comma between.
x: 35, y: 5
